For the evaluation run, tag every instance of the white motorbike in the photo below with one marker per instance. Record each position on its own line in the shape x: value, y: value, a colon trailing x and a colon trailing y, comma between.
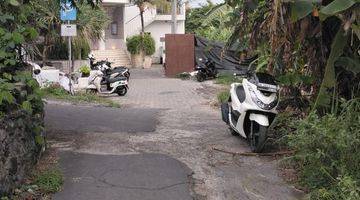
x: 251, y: 108
x: 107, y: 84
x: 105, y: 67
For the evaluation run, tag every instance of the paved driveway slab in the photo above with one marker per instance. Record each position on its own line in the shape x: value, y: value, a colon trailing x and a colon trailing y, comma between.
x: 123, y: 177
x: 99, y: 119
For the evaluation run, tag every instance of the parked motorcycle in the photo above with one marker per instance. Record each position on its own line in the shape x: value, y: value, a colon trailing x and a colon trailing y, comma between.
x: 251, y: 107
x: 105, y: 67
x: 205, y: 69
x: 108, y: 84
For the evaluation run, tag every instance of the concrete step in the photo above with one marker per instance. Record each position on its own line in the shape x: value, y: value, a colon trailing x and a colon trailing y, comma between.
x: 118, y: 57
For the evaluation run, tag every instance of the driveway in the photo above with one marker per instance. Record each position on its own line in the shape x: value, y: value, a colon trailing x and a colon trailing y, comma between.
x: 158, y: 146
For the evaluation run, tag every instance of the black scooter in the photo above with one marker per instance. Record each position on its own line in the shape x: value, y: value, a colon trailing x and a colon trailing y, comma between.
x: 205, y: 69
x: 106, y: 69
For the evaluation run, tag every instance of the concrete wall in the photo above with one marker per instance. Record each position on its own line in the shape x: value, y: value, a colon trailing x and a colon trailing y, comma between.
x: 18, y: 149
x: 63, y: 65
x: 133, y: 20
x: 158, y: 29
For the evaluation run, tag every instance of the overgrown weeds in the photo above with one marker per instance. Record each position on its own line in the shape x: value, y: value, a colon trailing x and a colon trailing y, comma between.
x: 49, y: 181
x: 56, y: 92
x: 183, y: 76
x: 226, y: 79
x: 327, y: 153
x: 223, y: 96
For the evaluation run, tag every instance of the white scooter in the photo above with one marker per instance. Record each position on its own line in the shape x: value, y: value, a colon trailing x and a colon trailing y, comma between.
x: 251, y: 108
x: 114, y: 83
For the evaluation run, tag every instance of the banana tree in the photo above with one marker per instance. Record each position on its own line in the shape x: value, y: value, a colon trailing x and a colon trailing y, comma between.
x: 348, y: 12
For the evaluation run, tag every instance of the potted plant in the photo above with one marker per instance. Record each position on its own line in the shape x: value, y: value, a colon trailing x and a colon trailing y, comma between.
x: 141, y: 47
x: 85, y: 71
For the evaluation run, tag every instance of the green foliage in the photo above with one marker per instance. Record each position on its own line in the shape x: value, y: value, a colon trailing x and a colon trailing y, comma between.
x: 137, y: 44
x: 226, y: 79
x: 183, y: 76
x: 329, y: 79
x: 209, y: 21
x: 57, y: 92
x: 59, y: 50
x: 80, y: 48
x: 49, y: 181
x: 337, y: 6
x: 294, y: 79
x: 85, y: 70
x: 327, y: 153
x: 90, y: 23
x: 300, y: 9
x: 223, y: 96
x: 18, y: 90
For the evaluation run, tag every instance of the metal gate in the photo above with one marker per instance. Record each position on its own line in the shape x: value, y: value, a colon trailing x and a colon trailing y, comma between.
x: 180, y: 54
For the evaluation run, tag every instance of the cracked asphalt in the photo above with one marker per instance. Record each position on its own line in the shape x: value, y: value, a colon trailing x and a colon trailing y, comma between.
x: 159, y: 145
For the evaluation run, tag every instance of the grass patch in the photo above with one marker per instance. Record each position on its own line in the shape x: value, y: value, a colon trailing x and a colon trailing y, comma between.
x: 56, y: 92
x: 223, y: 96
x: 226, y: 79
x: 49, y: 181
x: 183, y: 76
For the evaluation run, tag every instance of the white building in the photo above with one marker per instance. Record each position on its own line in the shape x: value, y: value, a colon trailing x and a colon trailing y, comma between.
x: 125, y: 22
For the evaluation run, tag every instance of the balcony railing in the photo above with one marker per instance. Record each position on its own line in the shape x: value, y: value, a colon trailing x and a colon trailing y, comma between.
x: 165, y: 9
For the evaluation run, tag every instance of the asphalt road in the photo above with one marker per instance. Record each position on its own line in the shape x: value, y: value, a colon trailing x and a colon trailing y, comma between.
x: 72, y: 118
x: 159, y: 145
x: 128, y: 177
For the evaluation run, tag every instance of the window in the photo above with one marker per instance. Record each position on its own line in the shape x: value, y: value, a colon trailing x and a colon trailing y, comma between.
x: 114, y: 28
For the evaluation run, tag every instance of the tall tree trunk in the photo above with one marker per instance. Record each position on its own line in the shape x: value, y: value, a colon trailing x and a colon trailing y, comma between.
x: 142, y: 33
x: 142, y: 21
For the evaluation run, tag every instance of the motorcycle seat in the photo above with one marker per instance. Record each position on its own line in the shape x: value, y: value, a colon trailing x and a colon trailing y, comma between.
x: 120, y: 78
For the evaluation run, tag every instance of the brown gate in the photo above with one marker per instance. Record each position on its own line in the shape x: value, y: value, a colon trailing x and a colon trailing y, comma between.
x: 180, y: 54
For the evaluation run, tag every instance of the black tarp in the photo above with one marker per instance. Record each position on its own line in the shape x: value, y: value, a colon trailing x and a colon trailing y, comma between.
x: 225, y: 60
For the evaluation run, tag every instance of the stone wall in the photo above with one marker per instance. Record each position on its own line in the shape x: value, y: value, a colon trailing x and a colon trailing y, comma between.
x: 18, y: 149
x: 63, y: 65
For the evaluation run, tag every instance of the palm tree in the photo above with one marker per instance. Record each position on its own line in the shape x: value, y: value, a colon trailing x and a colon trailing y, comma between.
x: 90, y: 23
x: 142, y: 5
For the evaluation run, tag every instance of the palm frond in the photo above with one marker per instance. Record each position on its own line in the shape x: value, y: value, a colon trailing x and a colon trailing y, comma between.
x: 216, y: 12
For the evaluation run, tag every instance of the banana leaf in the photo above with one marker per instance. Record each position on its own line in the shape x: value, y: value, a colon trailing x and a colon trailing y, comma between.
x: 335, y: 7
x: 349, y: 64
x: 329, y: 80
x: 300, y: 9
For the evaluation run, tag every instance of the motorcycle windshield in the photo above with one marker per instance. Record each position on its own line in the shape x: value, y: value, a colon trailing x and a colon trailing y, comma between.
x: 266, y: 82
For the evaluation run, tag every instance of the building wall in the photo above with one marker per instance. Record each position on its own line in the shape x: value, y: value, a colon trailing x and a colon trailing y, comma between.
x: 128, y: 20
x: 114, y: 41
x: 158, y: 29
x: 132, y: 20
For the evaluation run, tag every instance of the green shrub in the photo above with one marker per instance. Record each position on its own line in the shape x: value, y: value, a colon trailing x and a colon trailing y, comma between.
x: 55, y: 91
x: 49, y: 181
x: 328, y: 153
x: 60, y: 51
x: 85, y: 70
x: 134, y: 44
x: 223, y: 96
x: 183, y: 75
x: 226, y: 79
x: 80, y: 48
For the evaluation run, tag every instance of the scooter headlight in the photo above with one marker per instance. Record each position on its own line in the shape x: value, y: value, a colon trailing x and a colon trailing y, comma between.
x: 261, y: 104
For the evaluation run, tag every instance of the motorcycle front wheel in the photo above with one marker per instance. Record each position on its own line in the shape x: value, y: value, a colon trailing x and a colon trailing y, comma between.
x: 200, y: 77
x: 257, y: 137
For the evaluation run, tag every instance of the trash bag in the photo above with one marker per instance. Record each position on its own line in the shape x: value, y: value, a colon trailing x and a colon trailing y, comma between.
x: 225, y: 60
